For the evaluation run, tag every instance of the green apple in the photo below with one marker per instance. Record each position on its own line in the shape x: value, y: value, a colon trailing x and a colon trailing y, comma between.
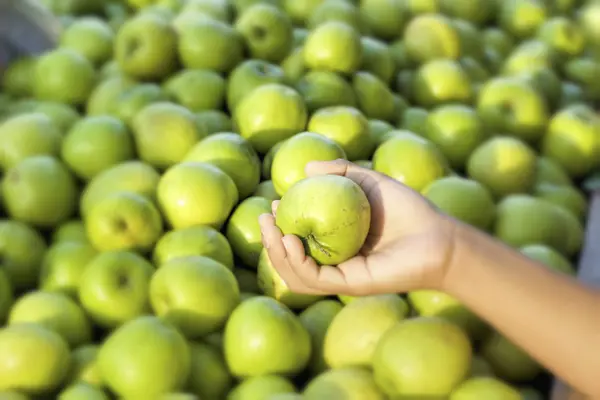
x: 547, y: 82
x: 7, y: 296
x: 571, y: 93
x: 582, y: 71
x: 164, y: 133
x: 217, y: 9
x: 432, y: 303
x: 471, y: 42
x: 261, y: 387
x: 485, y: 388
x: 568, y: 197
x: 209, y: 377
x: 267, y: 31
x: 105, y: 94
x: 110, y: 69
x: 414, y: 119
x: 73, y: 77
x: 54, y: 311
x: 351, y: 383
x: 508, y: 361
x: 72, y: 230
x: 431, y: 36
x: 563, y: 35
x: 417, y: 7
x: 249, y: 75
x: 27, y: 135
x: 271, y: 284
x: 361, y: 323
x: 95, y: 144
x: 124, y: 221
x: 92, y: 37
x: 269, y: 114
x: 525, y: 220
x: 193, y: 241
x: 464, y: 199
x: 571, y: 139
x: 523, y: 18
x: 410, y: 159
x: 39, y: 190
x: 350, y: 212
x: 267, y: 161
x: 23, y: 343
x: 243, y: 231
x: 441, y: 81
x: 241, y: 5
x: 84, y: 366
x: 135, y: 98
x: 206, y: 43
x: 374, y: 97
x: 588, y: 17
x: 347, y: 126
x: 293, y: 66
x: 378, y: 59
x: 247, y: 280
x: 131, y: 371
x: 457, y: 130
x: 336, y: 10
x: 266, y: 189
x: 424, y: 357
x: 503, y: 164
x: 574, y: 232
x: 498, y: 40
x: 317, y: 318
x: 321, y: 89
x: 300, y: 35
x: 63, y: 115
x: 529, y: 55
x: 146, y: 47
x: 213, y: 121
x: 22, y: 249
x: 293, y: 155
x: 82, y: 391
x: 113, y: 288
x: 16, y: 79
x: 63, y: 266
x: 257, y: 339
x: 234, y: 155
x: 550, y: 172
x: 197, y: 90
x: 550, y: 258
x: 194, y: 193
x: 333, y: 46
x: 476, y: 71
x: 301, y: 10
x: 196, y: 294
x: 131, y: 176
x: 384, y: 18
x: 378, y: 130
x: 478, y: 12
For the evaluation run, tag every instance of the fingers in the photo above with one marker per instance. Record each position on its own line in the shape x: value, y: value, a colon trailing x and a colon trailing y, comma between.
x: 274, y: 206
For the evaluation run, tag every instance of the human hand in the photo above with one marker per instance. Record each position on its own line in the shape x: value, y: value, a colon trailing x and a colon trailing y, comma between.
x: 409, y: 245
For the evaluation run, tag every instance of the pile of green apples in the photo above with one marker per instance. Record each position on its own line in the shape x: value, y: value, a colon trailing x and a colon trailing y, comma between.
x: 137, y: 156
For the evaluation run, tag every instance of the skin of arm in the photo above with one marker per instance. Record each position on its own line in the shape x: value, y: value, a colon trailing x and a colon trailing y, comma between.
x: 552, y: 316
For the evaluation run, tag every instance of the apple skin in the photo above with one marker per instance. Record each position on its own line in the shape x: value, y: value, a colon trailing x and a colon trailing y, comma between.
x: 374, y: 98
x: 114, y: 288
x: 84, y: 365
x: 185, y: 87
x: 7, y: 296
x: 549, y: 257
x: 322, y: 89
x: 440, y: 82
x: 243, y: 231
x: 333, y: 46
x: 131, y: 371
x: 262, y: 387
x: 293, y: 155
x: 92, y: 37
x: 234, y: 155
x: 17, y: 345
x: 266, y: 189
x: 199, y: 240
x: 124, y: 221
x: 196, y: 294
x: 193, y: 193
x: 134, y: 99
x: 209, y: 377
x: 257, y: 339
x: 508, y: 361
x: 82, y: 390
x: 269, y: 114
x: 431, y: 36
x: 267, y: 161
x: 249, y: 75
x: 333, y: 230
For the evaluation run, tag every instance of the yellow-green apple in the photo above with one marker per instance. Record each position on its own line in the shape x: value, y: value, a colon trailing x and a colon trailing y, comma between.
x: 257, y: 339
x: 7, y: 296
x: 550, y: 172
x: 549, y: 257
x: 40, y: 190
x: 194, y: 193
x: 347, y: 126
x: 478, y: 387
x: 197, y: 89
x: 431, y: 36
x: 135, y: 98
x: 301, y: 207
x: 84, y: 365
x: 82, y: 390
x: 130, y: 370
x: 336, y: 10
x: 343, y: 383
x: 293, y: 155
x: 523, y: 18
x: 321, y: 89
x: 63, y: 265
x: 196, y: 294
x: 164, y: 133
x: 63, y: 115
x: 247, y: 76
x: 498, y: 40
x: 209, y: 376
x: 378, y: 58
x: 266, y: 189
x: 410, y: 159
x: 384, y: 18
x: 113, y: 288
x: 26, y: 135
x: 300, y: 10
x: 414, y: 119
x: 243, y: 231
x: 124, y: 221
x: 95, y: 144
x: 234, y: 155
x: 18, y: 343
x: 440, y: 82
x: 508, y: 361
x: 374, y: 97
x: 213, y: 121
x: 90, y: 36
x: 478, y: 12
x: 262, y: 387
x: 269, y: 114
x: 378, y: 130
x: 333, y: 46
x: 293, y: 66
x: 267, y: 161
x: 247, y: 280
x: 563, y: 35
x: 102, y: 99
x: 16, y: 77
x: 146, y: 47
x: 217, y: 9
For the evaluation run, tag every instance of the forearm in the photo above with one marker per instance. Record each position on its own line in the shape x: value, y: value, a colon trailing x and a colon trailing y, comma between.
x: 551, y: 316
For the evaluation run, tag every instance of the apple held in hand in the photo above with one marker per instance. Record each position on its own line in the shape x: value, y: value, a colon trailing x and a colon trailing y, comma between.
x: 331, y: 215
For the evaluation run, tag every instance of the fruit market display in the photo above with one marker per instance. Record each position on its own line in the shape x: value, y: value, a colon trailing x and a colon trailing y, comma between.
x: 137, y: 156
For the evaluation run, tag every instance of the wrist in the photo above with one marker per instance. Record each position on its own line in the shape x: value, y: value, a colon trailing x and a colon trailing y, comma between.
x: 459, y: 258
